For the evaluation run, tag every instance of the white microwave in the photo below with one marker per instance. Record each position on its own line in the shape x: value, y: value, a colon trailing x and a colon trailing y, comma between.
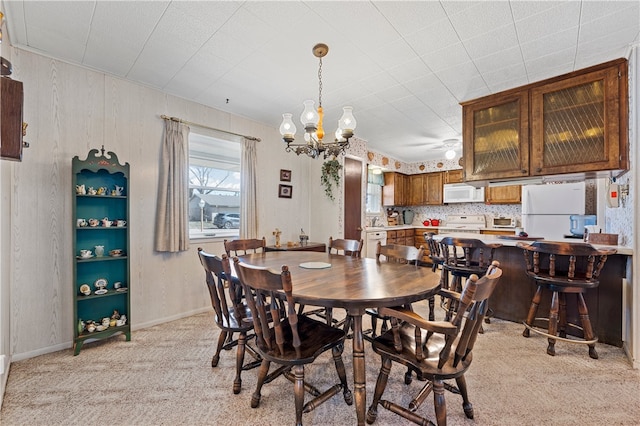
x: 462, y: 193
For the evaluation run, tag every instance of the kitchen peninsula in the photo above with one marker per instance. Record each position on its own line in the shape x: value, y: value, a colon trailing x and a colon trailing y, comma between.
x: 512, y: 298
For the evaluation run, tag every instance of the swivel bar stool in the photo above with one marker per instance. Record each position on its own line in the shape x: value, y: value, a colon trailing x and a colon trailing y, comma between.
x: 563, y: 268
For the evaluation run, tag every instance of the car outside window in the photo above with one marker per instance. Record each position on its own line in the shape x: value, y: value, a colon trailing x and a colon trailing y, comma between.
x: 214, y: 187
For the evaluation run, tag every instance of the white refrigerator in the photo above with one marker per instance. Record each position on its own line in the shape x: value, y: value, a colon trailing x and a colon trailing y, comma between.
x: 546, y: 208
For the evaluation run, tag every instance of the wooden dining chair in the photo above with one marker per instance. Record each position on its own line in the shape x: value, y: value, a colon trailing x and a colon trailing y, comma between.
x: 444, y: 352
x: 244, y: 246
x: 232, y: 315
x: 563, y: 269
x: 395, y: 253
x: 461, y: 258
x: 343, y: 247
x: 290, y: 340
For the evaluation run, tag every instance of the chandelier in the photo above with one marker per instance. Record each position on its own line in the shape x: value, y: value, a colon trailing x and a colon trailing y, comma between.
x: 312, y: 121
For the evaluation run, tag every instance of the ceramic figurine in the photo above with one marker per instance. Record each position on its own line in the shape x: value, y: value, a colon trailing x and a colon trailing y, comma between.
x: 91, y: 191
x: 277, y: 233
x: 119, y: 190
x: 80, y: 189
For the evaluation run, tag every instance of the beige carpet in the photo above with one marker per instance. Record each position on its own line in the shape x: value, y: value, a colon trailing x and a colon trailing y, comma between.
x: 163, y: 377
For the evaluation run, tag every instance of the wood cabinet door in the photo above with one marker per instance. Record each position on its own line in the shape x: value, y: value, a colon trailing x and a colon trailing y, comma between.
x: 511, y: 194
x: 394, y: 189
x: 417, y: 189
x: 576, y: 123
x: 433, y: 183
x: 496, y: 137
x: 453, y: 176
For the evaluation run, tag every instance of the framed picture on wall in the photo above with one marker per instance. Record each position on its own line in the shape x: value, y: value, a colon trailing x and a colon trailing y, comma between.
x: 284, y: 191
x: 285, y: 175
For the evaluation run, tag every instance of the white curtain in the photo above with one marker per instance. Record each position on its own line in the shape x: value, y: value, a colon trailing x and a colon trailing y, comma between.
x: 172, y: 216
x: 248, y: 200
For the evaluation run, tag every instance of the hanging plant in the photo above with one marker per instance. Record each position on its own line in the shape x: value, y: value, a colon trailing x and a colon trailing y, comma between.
x: 330, y: 175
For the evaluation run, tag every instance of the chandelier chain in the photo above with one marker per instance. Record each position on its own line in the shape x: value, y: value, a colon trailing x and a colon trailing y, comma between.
x: 320, y: 83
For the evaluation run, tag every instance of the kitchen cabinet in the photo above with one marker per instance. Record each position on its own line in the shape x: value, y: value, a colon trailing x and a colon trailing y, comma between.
x: 419, y: 240
x: 395, y: 189
x: 496, y: 137
x: 453, y: 176
x: 433, y: 188
x: 101, y: 279
x: 574, y: 123
x: 417, y: 189
x: 402, y: 237
x: 511, y: 194
x: 425, y: 189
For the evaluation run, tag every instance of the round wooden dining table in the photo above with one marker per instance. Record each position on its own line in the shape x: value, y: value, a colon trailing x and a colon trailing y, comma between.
x: 329, y: 280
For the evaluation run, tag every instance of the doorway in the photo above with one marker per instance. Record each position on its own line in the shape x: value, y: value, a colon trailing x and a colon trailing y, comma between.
x: 352, y: 198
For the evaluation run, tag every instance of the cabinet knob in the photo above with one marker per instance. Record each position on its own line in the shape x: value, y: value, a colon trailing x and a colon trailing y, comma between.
x: 524, y: 171
x: 538, y: 170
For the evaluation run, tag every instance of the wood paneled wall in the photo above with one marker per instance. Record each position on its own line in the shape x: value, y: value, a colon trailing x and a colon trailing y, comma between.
x: 71, y: 110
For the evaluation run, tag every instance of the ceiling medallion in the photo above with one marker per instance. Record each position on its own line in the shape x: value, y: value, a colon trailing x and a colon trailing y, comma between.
x: 312, y: 121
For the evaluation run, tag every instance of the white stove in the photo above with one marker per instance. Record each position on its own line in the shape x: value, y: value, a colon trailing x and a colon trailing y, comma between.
x: 471, y: 223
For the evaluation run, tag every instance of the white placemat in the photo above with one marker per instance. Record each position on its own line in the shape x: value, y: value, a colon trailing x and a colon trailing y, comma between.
x: 315, y: 265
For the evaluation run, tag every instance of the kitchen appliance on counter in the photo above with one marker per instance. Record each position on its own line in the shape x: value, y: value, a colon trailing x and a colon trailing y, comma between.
x: 546, y: 209
x: 503, y: 222
x: 407, y: 217
x: 471, y: 224
x: 578, y: 222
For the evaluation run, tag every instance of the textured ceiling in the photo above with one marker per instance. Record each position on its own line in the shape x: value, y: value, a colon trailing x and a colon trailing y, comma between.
x: 403, y: 66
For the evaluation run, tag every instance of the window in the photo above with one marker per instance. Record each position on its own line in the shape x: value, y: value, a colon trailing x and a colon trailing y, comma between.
x: 375, y: 181
x: 214, y: 186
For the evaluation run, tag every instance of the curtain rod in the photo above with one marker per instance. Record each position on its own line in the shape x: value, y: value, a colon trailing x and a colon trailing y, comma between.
x: 179, y: 120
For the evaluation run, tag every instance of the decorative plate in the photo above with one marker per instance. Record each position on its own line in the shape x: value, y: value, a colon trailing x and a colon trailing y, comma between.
x: 100, y: 283
x: 84, y: 257
x: 121, y: 289
x: 101, y: 291
x: 315, y: 265
x: 84, y: 288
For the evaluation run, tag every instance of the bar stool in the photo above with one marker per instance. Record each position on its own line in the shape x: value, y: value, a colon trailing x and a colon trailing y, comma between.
x: 463, y: 257
x: 563, y: 268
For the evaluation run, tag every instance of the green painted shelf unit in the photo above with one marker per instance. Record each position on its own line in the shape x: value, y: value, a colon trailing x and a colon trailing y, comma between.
x: 100, y: 171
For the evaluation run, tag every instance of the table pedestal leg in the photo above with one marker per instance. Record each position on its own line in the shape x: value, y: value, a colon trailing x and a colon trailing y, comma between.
x: 359, y: 379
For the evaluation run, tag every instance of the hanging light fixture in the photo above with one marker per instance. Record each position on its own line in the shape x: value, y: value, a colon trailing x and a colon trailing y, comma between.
x: 450, y: 144
x: 312, y: 121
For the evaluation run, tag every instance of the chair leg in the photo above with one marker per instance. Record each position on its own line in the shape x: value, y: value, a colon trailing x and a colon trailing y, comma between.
x: 553, y: 323
x: 381, y: 384
x: 533, y: 310
x: 298, y: 391
x: 586, y: 325
x: 237, y: 383
x: 336, y: 351
x: 466, y: 404
x: 374, y: 326
x: 262, y: 375
x: 562, y: 317
x: 439, y: 402
x: 216, y: 356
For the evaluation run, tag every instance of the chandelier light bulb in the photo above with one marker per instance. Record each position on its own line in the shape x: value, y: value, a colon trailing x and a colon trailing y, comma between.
x: 309, y: 116
x: 347, y: 122
x: 287, y: 128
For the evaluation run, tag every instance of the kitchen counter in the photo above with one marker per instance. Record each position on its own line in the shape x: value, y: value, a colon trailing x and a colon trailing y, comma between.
x: 627, y: 251
x: 512, y: 298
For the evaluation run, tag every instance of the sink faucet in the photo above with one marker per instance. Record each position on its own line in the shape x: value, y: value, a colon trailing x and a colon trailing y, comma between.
x: 373, y: 221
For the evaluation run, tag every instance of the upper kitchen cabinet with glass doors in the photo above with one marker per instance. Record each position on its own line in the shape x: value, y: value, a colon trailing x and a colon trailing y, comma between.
x: 496, y: 137
x: 574, y: 123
